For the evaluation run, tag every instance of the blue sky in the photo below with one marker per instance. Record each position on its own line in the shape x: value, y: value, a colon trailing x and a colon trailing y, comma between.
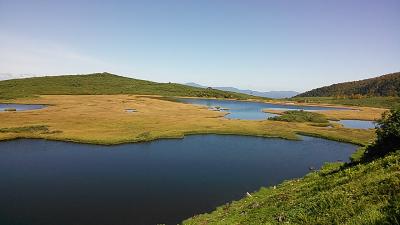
x: 261, y: 45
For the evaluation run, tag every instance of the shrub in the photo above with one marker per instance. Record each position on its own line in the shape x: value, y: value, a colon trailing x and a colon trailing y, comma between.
x: 388, y: 135
x: 301, y: 116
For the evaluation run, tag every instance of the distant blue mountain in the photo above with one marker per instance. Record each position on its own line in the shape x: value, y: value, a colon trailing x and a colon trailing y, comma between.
x: 268, y: 94
x: 195, y: 85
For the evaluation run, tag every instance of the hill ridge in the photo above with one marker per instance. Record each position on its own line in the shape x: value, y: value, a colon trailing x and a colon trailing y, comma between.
x: 265, y: 94
x: 102, y: 83
x: 384, y: 85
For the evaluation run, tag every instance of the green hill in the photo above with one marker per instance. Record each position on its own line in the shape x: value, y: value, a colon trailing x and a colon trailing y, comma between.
x: 102, y: 83
x: 386, y: 85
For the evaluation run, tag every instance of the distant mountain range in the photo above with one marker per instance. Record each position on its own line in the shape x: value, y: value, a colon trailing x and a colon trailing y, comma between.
x: 268, y: 94
x: 385, y: 85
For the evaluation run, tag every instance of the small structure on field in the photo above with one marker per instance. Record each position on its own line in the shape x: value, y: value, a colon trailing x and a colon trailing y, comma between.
x: 130, y: 110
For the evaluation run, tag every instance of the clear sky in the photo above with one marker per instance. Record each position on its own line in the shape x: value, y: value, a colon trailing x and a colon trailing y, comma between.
x: 262, y: 45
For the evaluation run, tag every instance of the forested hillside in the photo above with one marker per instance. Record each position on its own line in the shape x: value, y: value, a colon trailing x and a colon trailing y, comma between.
x: 386, y: 85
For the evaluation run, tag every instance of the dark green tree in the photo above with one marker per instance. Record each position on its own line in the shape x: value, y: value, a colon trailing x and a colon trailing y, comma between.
x: 388, y: 135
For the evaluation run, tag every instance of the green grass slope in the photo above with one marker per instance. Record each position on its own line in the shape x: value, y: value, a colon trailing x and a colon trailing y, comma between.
x: 367, y: 193
x: 102, y: 83
x: 386, y: 85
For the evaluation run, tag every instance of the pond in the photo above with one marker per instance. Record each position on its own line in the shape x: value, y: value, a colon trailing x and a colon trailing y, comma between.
x: 20, y: 107
x: 165, y: 181
x: 130, y: 110
x: 250, y: 110
x: 358, y: 124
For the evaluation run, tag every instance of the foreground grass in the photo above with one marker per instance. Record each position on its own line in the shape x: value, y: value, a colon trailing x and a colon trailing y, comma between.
x: 102, y: 119
x: 365, y: 193
x: 379, y: 102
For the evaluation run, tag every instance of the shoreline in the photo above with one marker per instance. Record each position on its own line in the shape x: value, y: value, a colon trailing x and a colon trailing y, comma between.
x: 178, y: 137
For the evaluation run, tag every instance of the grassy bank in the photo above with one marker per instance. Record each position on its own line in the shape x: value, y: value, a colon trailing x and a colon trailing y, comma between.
x: 379, y: 102
x: 102, y: 119
x: 366, y: 193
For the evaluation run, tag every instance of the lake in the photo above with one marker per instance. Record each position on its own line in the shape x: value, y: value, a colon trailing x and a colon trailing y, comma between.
x: 165, y: 181
x: 20, y: 107
x: 250, y: 110
x: 358, y: 124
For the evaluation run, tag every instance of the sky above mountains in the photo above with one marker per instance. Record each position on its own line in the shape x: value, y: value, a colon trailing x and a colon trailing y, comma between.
x: 260, y: 45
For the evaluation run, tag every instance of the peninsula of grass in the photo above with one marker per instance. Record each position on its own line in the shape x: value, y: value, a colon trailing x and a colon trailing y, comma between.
x: 353, y: 113
x: 301, y: 116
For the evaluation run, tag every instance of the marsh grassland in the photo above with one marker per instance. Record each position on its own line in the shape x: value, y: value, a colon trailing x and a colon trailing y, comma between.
x: 358, y: 113
x: 102, y: 119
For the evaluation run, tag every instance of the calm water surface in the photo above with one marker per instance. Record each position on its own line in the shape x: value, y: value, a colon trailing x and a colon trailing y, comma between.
x: 165, y: 181
x: 20, y: 107
x: 250, y: 110
x: 359, y: 124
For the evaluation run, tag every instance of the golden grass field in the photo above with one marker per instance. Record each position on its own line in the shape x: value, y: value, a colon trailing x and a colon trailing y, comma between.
x: 359, y: 113
x: 102, y: 119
